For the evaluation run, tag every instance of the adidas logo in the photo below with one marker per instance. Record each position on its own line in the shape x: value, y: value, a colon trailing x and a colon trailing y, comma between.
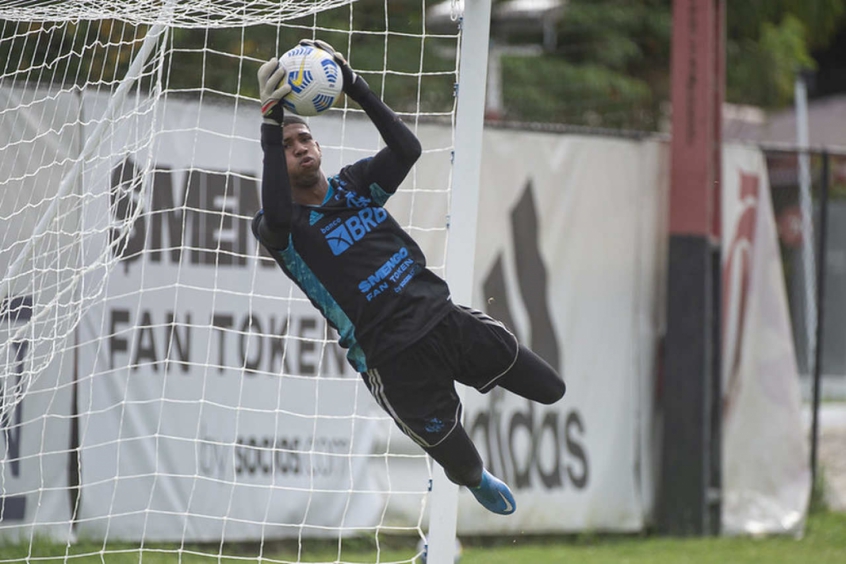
x: 314, y: 217
x: 532, y: 278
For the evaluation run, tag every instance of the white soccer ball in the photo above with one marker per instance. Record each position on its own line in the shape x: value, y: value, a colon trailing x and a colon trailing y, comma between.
x: 423, y: 550
x: 315, y: 79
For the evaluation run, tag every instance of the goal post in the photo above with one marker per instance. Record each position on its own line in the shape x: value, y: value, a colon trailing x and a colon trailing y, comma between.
x: 475, y: 22
x: 164, y: 386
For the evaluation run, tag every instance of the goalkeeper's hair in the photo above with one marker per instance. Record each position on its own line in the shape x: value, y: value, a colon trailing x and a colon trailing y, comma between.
x: 291, y: 119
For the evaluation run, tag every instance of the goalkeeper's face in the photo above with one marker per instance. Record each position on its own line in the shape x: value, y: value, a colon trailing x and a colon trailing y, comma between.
x: 302, y: 155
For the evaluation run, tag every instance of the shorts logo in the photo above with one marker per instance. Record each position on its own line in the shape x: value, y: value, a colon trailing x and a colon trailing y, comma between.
x: 354, y: 228
x: 434, y: 425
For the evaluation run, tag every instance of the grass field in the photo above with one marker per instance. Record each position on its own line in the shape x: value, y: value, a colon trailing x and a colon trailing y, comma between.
x: 823, y: 543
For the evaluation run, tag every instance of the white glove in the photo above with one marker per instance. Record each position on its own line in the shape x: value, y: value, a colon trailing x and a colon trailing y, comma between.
x: 354, y: 85
x: 273, y: 86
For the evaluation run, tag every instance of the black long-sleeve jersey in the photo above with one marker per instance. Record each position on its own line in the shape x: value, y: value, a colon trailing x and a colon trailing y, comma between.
x: 355, y: 263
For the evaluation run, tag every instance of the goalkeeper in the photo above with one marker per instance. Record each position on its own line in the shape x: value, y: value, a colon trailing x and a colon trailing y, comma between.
x: 335, y: 240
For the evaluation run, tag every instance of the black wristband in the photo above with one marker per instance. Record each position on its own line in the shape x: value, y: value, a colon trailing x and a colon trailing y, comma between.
x: 276, y: 113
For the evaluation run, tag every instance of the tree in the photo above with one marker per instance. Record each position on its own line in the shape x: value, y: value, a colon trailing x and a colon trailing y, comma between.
x: 412, y: 74
x: 769, y: 41
x: 419, y: 75
x: 611, y: 67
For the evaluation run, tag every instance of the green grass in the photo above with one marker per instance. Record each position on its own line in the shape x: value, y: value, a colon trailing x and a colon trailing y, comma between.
x: 824, y: 543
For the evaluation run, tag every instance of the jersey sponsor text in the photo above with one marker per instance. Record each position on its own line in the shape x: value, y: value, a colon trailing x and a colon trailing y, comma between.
x: 354, y: 228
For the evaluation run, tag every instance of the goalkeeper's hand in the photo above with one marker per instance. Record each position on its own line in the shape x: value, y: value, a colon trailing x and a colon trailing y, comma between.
x: 272, y: 88
x: 354, y: 85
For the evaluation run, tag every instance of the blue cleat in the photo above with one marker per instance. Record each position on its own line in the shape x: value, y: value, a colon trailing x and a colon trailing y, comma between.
x: 494, y: 495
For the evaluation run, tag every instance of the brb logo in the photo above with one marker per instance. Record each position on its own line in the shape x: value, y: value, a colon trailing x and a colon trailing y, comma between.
x: 343, y: 234
x: 532, y: 446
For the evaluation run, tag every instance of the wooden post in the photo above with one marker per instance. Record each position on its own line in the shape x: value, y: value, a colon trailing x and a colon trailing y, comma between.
x: 690, y: 391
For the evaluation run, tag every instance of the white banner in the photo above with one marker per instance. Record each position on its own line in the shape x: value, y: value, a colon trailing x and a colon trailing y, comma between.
x: 766, y: 475
x: 36, y: 366
x: 570, y: 230
x: 37, y: 464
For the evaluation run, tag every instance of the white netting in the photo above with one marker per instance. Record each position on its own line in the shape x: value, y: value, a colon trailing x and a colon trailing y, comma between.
x: 164, y: 386
x: 177, y: 13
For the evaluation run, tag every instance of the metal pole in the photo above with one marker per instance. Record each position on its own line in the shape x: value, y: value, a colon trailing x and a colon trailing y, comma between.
x: 807, y: 213
x: 823, y: 236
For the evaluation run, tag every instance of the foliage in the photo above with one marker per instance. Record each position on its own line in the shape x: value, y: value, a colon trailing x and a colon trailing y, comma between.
x: 769, y: 41
x: 612, y: 59
x: 610, y: 66
x: 383, y: 40
x: 762, y: 71
x: 587, y: 94
x: 71, y: 53
x: 820, y: 18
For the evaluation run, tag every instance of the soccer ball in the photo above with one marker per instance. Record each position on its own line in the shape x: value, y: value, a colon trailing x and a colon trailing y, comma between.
x: 423, y: 551
x: 315, y: 79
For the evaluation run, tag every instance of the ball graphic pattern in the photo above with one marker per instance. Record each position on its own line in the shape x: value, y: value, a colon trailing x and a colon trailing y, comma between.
x: 315, y: 79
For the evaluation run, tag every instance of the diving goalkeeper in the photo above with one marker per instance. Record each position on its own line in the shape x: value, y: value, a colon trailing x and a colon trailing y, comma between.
x: 335, y: 240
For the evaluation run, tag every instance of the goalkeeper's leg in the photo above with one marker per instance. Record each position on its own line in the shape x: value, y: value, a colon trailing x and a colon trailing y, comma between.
x: 463, y: 466
x: 491, y: 356
x: 532, y: 378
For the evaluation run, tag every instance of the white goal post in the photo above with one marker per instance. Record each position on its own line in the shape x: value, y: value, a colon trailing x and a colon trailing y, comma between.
x: 165, y: 389
x: 464, y: 208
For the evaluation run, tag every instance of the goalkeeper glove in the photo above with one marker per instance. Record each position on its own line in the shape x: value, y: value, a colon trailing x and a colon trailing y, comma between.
x: 354, y: 85
x: 273, y: 86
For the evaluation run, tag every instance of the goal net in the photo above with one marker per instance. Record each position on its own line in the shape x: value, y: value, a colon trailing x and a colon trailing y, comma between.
x: 166, y: 390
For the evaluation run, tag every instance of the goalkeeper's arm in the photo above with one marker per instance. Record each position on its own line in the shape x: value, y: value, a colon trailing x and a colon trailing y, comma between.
x: 389, y: 166
x: 277, y: 205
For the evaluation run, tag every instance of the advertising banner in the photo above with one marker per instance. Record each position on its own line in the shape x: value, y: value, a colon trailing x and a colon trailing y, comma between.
x: 208, y: 397
x: 766, y: 474
x: 37, y: 463
x: 37, y: 303
x: 568, y: 257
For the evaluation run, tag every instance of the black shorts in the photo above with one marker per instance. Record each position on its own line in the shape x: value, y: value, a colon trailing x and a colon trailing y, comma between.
x: 416, y: 387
